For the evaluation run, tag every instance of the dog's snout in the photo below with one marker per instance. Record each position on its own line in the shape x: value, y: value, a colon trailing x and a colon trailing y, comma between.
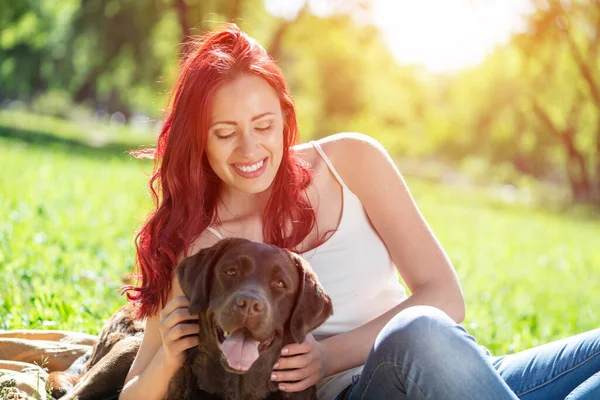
x: 250, y: 303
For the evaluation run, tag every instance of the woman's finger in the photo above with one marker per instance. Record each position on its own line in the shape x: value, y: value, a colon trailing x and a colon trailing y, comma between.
x: 295, y: 348
x: 177, y: 316
x: 175, y: 303
x: 290, y: 375
x: 181, y: 330
x: 292, y: 362
x: 185, y: 343
x: 297, y: 386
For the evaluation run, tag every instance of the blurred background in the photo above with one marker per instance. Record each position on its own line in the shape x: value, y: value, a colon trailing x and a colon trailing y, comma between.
x: 491, y: 109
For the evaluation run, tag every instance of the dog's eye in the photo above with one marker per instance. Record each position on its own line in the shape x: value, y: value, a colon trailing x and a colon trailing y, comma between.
x: 231, y: 272
x: 280, y: 284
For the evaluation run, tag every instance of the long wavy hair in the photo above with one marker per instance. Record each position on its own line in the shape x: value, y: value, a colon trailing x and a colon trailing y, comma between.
x: 183, y: 185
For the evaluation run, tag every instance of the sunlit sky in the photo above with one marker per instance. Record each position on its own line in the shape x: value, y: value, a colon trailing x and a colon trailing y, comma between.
x: 442, y: 35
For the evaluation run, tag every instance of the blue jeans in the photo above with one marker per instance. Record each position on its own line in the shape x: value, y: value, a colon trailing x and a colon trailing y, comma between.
x: 422, y: 354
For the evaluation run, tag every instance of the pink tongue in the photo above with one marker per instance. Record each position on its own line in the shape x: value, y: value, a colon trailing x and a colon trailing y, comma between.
x: 240, y: 351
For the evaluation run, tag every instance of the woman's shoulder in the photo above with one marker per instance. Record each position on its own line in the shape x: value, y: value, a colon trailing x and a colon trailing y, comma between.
x: 342, y: 147
x: 350, y: 153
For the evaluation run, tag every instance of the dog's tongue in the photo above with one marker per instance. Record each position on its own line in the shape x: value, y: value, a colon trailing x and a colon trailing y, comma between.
x: 240, y: 350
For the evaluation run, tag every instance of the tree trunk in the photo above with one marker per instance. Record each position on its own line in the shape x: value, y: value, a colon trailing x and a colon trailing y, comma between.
x: 575, y: 166
x: 585, y: 61
x: 184, y: 23
x: 577, y: 169
x: 519, y: 160
x: 597, y: 163
x: 40, y: 85
x: 274, y: 48
x: 87, y: 89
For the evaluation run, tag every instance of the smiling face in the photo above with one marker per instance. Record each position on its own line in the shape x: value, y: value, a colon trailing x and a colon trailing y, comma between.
x: 245, y: 136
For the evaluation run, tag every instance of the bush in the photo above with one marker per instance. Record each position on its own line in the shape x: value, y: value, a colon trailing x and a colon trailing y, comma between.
x: 56, y: 103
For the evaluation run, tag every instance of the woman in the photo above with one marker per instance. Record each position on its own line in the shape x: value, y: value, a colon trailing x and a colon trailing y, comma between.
x: 229, y: 166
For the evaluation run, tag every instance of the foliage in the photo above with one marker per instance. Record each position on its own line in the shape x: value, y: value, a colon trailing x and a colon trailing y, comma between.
x: 538, y: 100
x: 533, y: 105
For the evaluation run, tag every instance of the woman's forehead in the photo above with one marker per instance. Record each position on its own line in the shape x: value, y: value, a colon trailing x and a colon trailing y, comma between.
x: 244, y: 97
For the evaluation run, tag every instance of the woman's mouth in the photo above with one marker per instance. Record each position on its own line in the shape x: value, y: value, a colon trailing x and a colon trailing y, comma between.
x: 253, y: 170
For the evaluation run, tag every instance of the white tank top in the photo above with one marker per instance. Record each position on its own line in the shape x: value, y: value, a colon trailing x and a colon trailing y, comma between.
x: 356, y: 271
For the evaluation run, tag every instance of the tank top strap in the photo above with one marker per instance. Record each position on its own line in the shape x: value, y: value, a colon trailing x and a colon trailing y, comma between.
x: 214, y: 232
x: 317, y: 147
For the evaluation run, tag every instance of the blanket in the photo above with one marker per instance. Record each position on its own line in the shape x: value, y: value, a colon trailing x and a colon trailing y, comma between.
x: 28, y: 356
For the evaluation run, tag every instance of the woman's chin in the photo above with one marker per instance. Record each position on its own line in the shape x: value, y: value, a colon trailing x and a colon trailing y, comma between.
x: 254, y: 186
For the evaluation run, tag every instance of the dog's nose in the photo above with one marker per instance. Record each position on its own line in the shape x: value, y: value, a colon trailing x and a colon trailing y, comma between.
x: 250, y: 303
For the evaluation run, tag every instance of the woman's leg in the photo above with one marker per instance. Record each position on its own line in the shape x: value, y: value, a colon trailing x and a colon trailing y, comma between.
x: 590, y: 389
x: 422, y: 354
x: 567, y: 368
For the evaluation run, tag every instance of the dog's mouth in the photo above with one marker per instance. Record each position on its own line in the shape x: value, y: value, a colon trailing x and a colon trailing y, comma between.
x: 239, y: 348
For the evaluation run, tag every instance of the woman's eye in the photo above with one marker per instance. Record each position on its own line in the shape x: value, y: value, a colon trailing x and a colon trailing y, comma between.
x: 263, y: 128
x: 224, y: 134
x: 231, y: 272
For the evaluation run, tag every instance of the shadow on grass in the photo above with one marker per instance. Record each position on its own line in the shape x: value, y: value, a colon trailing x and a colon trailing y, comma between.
x: 79, y: 146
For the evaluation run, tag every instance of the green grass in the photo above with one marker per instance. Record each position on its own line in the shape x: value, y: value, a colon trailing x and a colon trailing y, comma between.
x: 86, y: 133
x: 69, y: 212
x: 529, y: 276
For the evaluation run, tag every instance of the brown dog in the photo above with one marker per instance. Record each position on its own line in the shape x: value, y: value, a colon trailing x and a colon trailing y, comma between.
x: 101, y: 374
x: 252, y: 300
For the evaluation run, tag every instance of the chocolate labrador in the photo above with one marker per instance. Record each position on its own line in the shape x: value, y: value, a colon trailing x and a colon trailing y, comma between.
x: 252, y: 300
x: 100, y: 374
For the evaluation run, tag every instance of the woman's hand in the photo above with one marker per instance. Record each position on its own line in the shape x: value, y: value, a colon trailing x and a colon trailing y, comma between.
x: 306, y: 364
x: 178, y: 329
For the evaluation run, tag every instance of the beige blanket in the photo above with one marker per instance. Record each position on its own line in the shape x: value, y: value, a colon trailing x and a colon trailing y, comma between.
x: 27, y: 356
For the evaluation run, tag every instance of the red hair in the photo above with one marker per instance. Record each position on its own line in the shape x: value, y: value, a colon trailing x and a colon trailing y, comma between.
x: 185, y: 188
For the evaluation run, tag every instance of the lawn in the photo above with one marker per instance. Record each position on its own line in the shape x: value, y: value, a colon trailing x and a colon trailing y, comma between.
x: 69, y: 211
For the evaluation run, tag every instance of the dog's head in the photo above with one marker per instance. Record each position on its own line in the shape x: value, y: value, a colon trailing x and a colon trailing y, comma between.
x: 252, y: 294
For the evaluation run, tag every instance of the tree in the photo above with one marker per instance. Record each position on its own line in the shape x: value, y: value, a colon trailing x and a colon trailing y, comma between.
x: 561, y: 47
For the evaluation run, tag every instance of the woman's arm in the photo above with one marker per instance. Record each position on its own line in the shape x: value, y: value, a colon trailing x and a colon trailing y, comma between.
x: 166, y: 338
x: 151, y: 371
x: 350, y: 349
x: 370, y: 173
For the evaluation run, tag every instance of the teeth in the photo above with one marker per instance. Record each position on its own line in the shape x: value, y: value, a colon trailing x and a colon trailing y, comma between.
x: 250, y: 168
x: 225, y: 334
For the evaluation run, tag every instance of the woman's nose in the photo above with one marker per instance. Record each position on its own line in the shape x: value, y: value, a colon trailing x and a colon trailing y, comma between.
x: 248, y: 144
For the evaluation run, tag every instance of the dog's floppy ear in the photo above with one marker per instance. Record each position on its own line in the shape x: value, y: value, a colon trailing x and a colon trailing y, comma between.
x: 195, y: 275
x: 313, y: 306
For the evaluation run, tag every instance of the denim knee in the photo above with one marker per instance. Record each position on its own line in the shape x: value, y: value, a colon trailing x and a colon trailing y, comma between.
x: 420, y: 333
x: 422, y: 353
